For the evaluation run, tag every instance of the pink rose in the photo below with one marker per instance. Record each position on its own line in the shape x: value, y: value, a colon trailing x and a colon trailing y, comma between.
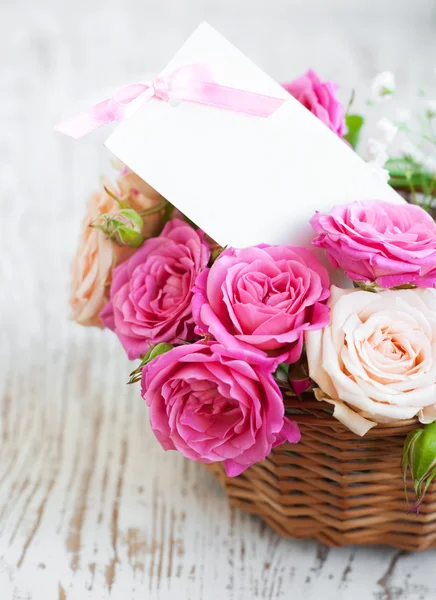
x: 150, y: 296
x: 213, y: 404
x: 262, y: 298
x: 320, y: 98
x: 388, y: 244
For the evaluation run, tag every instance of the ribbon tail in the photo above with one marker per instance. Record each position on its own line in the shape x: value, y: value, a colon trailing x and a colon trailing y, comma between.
x: 229, y: 98
x: 85, y: 122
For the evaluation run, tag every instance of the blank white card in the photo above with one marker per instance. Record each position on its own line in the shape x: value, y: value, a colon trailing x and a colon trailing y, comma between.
x: 243, y: 179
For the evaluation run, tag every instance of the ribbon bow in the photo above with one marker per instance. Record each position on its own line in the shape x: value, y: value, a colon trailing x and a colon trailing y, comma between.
x: 193, y: 83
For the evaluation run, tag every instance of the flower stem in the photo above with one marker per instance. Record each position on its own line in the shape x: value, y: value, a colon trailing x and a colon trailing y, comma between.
x: 155, y: 209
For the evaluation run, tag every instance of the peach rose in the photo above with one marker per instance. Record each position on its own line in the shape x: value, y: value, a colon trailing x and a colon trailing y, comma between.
x: 376, y: 360
x: 96, y: 255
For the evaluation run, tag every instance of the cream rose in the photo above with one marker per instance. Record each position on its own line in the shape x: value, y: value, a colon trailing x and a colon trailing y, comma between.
x: 376, y: 360
x: 96, y: 255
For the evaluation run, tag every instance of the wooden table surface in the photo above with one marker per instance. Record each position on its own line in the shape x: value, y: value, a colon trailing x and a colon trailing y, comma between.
x: 90, y: 506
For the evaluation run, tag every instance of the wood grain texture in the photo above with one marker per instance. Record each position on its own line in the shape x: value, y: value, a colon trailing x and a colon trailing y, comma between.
x: 90, y: 507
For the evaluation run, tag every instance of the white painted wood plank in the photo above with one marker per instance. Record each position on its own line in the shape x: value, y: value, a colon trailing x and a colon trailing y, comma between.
x: 90, y: 506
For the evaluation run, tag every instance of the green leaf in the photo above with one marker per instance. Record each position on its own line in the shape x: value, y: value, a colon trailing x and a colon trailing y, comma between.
x: 153, y: 352
x: 421, y: 182
x: 215, y: 254
x: 354, y: 125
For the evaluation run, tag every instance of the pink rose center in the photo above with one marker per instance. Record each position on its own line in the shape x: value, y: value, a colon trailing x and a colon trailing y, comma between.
x: 198, y: 412
x: 275, y: 286
x: 400, y: 228
x: 204, y: 400
x: 160, y: 288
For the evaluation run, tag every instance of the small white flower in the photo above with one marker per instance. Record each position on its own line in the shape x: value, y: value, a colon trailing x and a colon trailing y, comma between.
x: 378, y: 171
x: 409, y: 150
x: 430, y: 164
x: 383, y: 86
x: 377, y: 152
x: 431, y: 109
x: 387, y: 129
x: 402, y: 116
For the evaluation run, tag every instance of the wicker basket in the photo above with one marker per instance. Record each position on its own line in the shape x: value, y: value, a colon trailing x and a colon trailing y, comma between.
x: 335, y: 486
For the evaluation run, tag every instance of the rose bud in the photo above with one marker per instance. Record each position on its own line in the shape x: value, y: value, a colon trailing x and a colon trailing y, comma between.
x: 419, y: 456
x: 124, y: 227
x: 299, y: 378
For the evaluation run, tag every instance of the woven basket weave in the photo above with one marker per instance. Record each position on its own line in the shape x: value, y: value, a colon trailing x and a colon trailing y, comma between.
x: 334, y: 486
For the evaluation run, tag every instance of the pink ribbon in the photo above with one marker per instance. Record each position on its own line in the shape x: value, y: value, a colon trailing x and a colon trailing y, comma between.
x: 193, y: 83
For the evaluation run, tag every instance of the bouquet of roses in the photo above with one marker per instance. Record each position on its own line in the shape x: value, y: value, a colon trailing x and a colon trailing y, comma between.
x: 225, y: 334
